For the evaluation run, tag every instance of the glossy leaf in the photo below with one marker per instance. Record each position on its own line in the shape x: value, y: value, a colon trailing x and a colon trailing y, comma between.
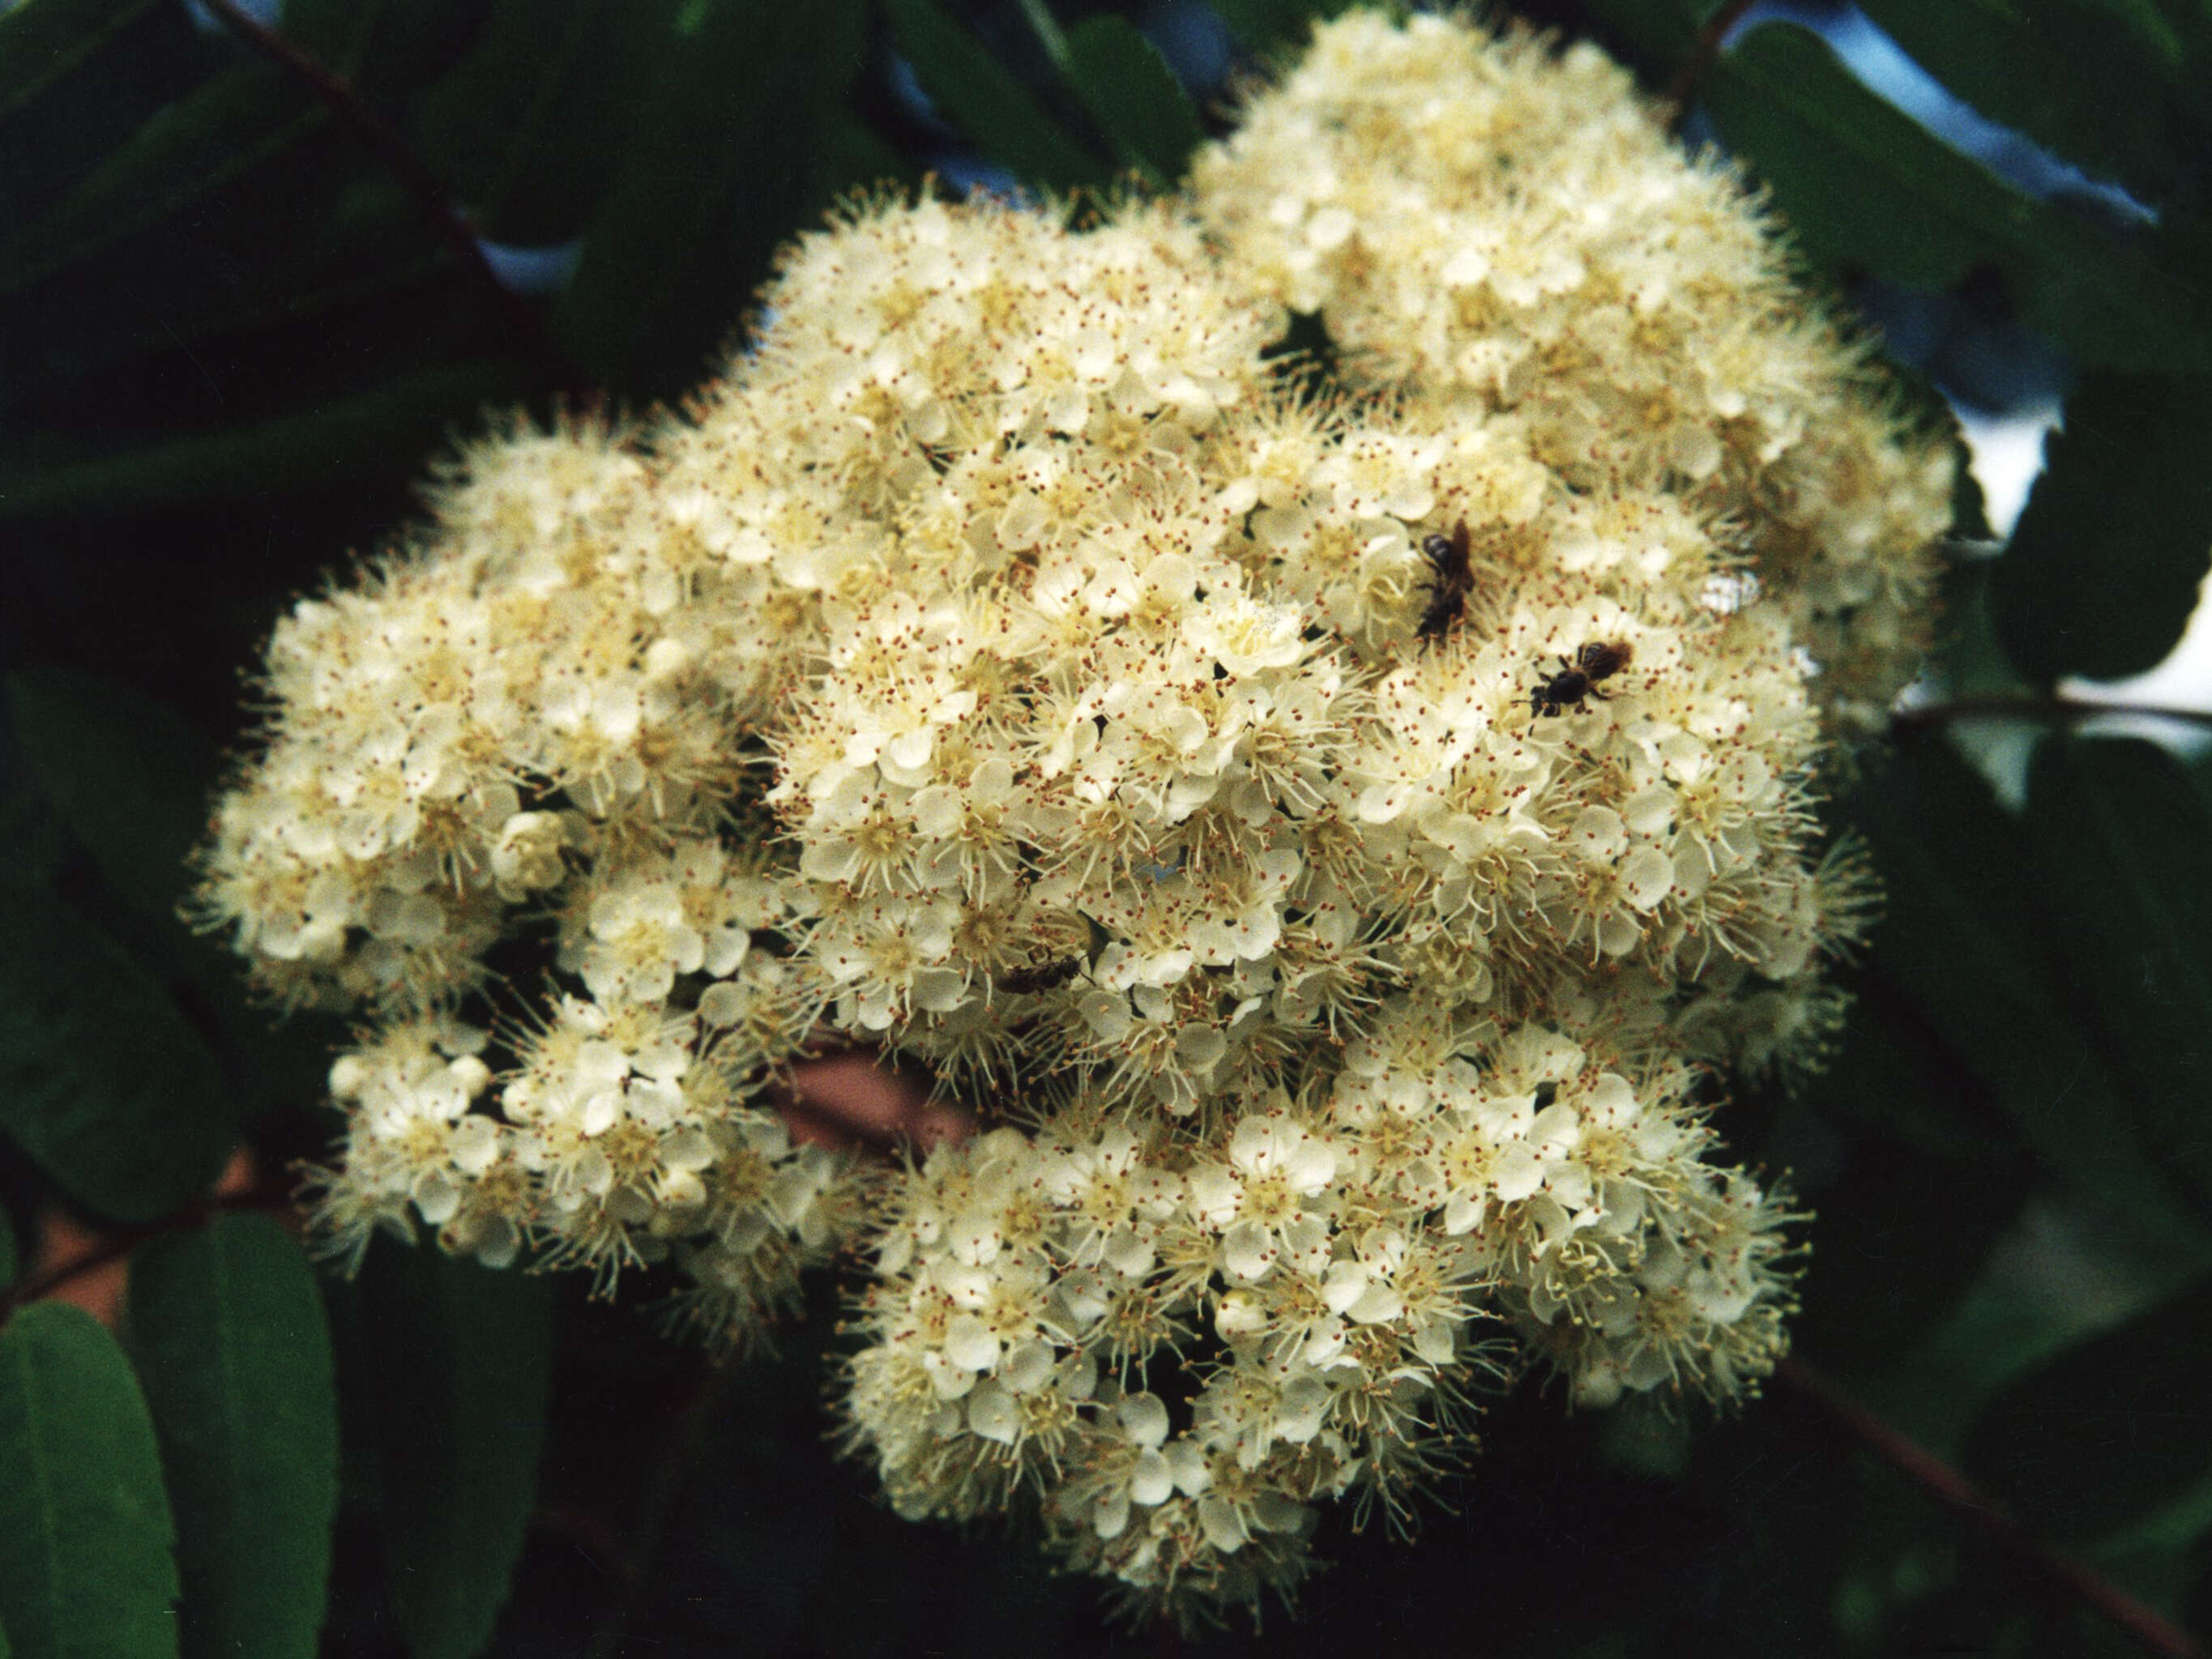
x: 102, y: 1082
x: 981, y: 96
x: 1263, y: 27
x: 2111, y: 1430
x: 1864, y: 185
x: 1657, y: 36
x: 521, y: 130
x: 228, y: 1333
x: 231, y: 125
x: 87, y: 1571
x: 133, y: 781
x: 2119, y: 834
x: 1960, y: 940
x: 385, y: 429
x: 384, y: 48
x: 1133, y: 96
x: 1923, y: 1191
x: 2075, y: 76
x: 44, y: 42
x: 78, y: 81
x: 461, y: 1361
x: 719, y: 165
x: 2104, y: 566
x: 124, y: 772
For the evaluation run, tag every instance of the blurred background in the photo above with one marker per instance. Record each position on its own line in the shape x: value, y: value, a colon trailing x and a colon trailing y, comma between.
x: 261, y: 264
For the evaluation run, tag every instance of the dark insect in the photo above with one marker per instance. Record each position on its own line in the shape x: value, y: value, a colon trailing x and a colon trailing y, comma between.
x: 1039, y: 976
x: 1450, y: 580
x: 1578, y: 677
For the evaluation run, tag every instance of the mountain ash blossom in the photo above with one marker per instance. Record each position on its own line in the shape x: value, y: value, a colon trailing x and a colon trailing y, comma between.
x: 1340, y: 845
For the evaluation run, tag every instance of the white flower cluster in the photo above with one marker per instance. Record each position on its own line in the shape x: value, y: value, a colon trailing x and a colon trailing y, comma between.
x: 1182, y: 1345
x: 1490, y: 228
x: 1338, y: 838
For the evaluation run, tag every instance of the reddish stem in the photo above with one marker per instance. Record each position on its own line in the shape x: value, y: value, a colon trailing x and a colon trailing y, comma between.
x: 1687, y: 79
x: 119, y: 1242
x: 2149, y: 1629
x: 413, y: 175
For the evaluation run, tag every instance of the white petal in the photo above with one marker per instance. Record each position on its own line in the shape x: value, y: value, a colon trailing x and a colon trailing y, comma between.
x: 1111, y: 1518
x: 1152, y: 1481
x: 992, y: 1413
x: 1217, y: 1520
x: 970, y: 1344
x: 1028, y: 1366
x: 1144, y: 1419
x: 1249, y: 1251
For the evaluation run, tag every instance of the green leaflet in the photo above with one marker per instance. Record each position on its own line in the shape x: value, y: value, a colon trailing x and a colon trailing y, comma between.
x: 2099, y: 89
x: 229, y: 126
x: 125, y: 773
x: 382, y: 47
x: 1133, y: 96
x: 2119, y: 834
x: 1924, y: 1191
x: 86, y: 1572
x: 102, y: 1082
x: 1863, y: 184
x: 44, y: 42
x: 1960, y: 940
x: 2104, y: 566
x: 454, y: 1360
x: 718, y: 165
x: 228, y: 1333
x: 982, y: 98
x: 375, y: 432
x: 1657, y: 35
x: 520, y: 131
x: 2113, y: 1429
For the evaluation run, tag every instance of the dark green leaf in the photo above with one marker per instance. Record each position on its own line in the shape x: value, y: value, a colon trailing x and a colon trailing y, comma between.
x: 720, y: 165
x: 377, y: 432
x: 127, y: 776
x: 2119, y: 834
x: 101, y: 1080
x: 2113, y: 1429
x: 1922, y: 1194
x: 2105, y: 563
x: 1264, y: 28
x: 521, y: 130
x: 9, y: 1265
x: 383, y: 48
x: 462, y: 1355
x: 44, y: 42
x: 1133, y: 96
x: 227, y: 1329
x: 234, y: 123
x: 2075, y: 76
x: 1961, y: 942
x: 133, y: 781
x: 853, y: 156
x: 1970, y: 658
x: 1657, y: 36
x: 86, y: 1572
x: 78, y: 79
x: 982, y: 97
x: 1860, y: 179
x: 1863, y: 184
x: 2070, y: 1268
x: 37, y: 843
